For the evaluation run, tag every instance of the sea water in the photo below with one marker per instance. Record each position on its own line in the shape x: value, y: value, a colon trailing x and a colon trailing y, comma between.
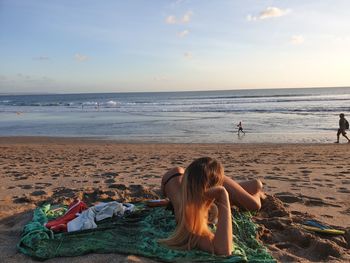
x: 268, y: 116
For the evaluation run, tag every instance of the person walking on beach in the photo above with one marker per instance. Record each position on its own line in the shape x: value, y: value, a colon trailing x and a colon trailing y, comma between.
x: 343, y: 126
x: 240, y: 128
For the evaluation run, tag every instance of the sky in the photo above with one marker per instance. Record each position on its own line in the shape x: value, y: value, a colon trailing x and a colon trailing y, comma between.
x: 158, y: 45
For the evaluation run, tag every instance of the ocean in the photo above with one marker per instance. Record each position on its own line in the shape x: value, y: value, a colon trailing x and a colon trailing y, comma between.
x: 268, y: 115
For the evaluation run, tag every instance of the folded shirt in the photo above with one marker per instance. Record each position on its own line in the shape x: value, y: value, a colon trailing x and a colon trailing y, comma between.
x: 86, y: 220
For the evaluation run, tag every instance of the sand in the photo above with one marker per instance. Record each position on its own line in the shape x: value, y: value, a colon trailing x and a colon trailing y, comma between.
x: 301, y: 182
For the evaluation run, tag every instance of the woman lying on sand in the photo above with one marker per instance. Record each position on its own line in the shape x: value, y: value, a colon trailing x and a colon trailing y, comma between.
x: 193, y: 192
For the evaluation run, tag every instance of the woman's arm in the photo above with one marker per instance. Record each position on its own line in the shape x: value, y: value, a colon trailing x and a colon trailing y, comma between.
x: 248, y: 198
x: 222, y: 241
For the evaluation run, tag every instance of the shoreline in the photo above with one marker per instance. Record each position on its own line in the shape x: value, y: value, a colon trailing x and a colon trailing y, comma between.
x: 97, y: 140
x: 305, y: 180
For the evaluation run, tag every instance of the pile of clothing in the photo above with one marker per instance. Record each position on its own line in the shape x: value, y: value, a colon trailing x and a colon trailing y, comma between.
x: 79, y: 217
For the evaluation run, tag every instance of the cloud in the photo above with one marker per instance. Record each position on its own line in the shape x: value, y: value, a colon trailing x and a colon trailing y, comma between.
x: 170, y: 20
x: 41, y: 58
x: 185, y: 19
x: 80, y: 57
x: 269, y: 12
x: 297, y: 40
x: 188, y: 55
x: 183, y: 33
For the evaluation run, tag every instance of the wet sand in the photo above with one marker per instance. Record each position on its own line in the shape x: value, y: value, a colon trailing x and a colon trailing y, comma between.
x: 301, y: 181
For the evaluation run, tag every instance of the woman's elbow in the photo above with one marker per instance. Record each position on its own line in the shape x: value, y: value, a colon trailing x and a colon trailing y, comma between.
x: 223, y: 251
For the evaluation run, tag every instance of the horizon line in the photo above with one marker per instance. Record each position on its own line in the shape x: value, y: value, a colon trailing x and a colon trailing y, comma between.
x: 175, y: 91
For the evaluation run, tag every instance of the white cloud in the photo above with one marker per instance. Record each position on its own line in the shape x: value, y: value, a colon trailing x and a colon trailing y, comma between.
x: 80, y: 57
x: 188, y: 55
x: 183, y: 33
x: 269, y: 12
x: 186, y: 18
x: 297, y: 40
x: 170, y: 20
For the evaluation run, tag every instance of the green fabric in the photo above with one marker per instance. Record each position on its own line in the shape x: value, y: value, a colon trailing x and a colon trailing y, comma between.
x: 135, y: 234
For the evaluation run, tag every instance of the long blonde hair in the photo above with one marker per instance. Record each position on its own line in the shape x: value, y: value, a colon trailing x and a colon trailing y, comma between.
x: 199, y: 176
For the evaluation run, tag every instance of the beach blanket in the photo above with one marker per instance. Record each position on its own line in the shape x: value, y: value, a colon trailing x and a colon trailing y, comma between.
x: 137, y: 234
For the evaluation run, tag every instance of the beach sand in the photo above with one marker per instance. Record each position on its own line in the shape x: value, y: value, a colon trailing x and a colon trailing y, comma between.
x: 301, y: 182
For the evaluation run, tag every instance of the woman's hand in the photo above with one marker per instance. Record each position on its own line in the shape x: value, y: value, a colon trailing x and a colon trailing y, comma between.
x: 216, y: 194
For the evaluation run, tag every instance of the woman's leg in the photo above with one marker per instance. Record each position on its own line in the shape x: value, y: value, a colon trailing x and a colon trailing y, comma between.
x: 246, y: 194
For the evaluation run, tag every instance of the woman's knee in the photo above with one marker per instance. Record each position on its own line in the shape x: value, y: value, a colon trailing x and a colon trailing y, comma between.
x: 259, y: 185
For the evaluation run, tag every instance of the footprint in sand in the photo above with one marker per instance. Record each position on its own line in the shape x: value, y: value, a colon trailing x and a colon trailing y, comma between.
x: 311, y: 187
x: 345, y: 181
x: 110, y: 174
x: 21, y: 200
x: 26, y: 186
x: 38, y: 193
x: 107, y: 158
x: 315, y: 201
x: 109, y: 181
x: 288, y: 197
x: 328, y: 216
x: 89, y: 164
x: 306, y: 172
x: 346, y: 211
x: 343, y: 190
x: 118, y: 186
x: 44, y: 184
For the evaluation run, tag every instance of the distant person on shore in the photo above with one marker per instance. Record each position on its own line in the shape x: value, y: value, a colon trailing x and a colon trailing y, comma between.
x: 343, y: 126
x: 240, y: 128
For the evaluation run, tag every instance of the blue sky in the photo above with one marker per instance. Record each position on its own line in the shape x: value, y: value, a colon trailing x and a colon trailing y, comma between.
x: 159, y: 45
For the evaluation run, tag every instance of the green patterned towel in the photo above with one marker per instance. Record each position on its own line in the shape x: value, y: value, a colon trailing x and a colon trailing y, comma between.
x: 137, y: 234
